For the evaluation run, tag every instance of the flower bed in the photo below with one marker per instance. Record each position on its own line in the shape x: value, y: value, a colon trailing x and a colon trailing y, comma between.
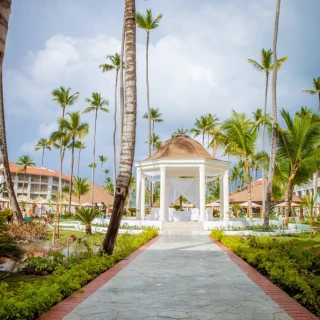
x: 295, y: 270
x: 31, y: 300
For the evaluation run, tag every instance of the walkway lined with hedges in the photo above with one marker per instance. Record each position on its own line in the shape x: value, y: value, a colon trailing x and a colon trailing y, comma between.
x: 179, y: 277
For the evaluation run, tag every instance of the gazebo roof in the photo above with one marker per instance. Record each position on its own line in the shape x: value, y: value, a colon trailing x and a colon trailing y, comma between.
x: 181, y: 147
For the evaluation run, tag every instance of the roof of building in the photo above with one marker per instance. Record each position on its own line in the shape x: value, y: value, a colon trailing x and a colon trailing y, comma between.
x: 256, y: 195
x: 100, y: 195
x: 38, y: 171
x: 181, y: 147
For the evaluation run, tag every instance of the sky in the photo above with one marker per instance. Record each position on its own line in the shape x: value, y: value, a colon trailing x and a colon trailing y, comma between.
x: 197, y: 65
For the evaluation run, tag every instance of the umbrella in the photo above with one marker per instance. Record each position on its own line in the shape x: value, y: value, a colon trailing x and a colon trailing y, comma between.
x: 246, y: 204
x: 4, y: 200
x: 213, y: 204
x: 87, y: 204
x: 46, y: 201
x: 38, y: 199
x: 187, y: 205
x: 283, y: 204
x: 24, y: 199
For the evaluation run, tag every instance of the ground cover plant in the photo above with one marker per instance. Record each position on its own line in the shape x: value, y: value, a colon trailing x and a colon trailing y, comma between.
x: 292, y: 263
x: 33, y: 299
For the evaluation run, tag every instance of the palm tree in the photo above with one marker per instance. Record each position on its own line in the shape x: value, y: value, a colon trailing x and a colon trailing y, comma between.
x: 86, y: 215
x: 274, y: 118
x: 93, y: 165
x: 238, y: 138
x: 5, y: 11
x: 102, y: 159
x: 42, y: 144
x: 179, y: 131
x: 155, y: 116
x: 213, y: 132
x: 76, y: 130
x: 299, y: 144
x: 155, y: 141
x: 97, y: 103
x: 25, y: 162
x: 129, y: 130
x: 147, y: 23
x: 109, y: 185
x: 115, y: 60
x: 235, y: 208
x: 235, y: 175
x: 64, y: 98
x: 201, y: 127
x: 80, y: 187
x: 80, y: 146
x: 265, y: 66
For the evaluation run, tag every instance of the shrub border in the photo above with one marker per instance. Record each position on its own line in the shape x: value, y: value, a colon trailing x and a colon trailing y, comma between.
x: 295, y: 310
x: 64, y: 307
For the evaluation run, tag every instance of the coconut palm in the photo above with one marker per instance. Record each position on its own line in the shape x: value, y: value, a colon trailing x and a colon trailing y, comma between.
x: 93, y: 165
x: 212, y: 131
x: 109, y: 185
x: 147, y: 23
x: 236, y: 172
x: 155, y: 116
x: 80, y: 146
x: 129, y: 130
x: 42, y: 144
x: 25, y: 162
x: 80, y: 187
x: 87, y: 215
x: 115, y: 65
x: 102, y: 159
x: 265, y: 66
x: 235, y: 208
x: 5, y: 10
x: 155, y: 142
x: 63, y: 97
x: 76, y: 130
x: 179, y: 131
x: 97, y: 103
x: 238, y: 138
x: 201, y: 127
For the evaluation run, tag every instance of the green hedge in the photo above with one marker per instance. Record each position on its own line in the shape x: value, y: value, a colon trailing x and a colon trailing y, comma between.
x: 32, y: 300
x: 296, y: 271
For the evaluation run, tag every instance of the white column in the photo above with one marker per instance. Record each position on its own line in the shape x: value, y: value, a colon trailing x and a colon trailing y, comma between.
x: 224, y: 194
x: 138, y: 200
x: 162, y: 193
x: 143, y: 197
x: 202, y: 191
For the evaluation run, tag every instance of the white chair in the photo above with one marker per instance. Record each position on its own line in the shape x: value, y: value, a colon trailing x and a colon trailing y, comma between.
x: 195, y: 214
x: 170, y: 211
x: 209, y: 216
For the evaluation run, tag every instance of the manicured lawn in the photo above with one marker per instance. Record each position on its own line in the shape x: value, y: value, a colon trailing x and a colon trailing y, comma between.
x: 304, y: 242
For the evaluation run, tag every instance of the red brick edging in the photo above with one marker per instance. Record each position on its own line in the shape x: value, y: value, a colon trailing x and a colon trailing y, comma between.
x: 64, y: 307
x: 288, y: 304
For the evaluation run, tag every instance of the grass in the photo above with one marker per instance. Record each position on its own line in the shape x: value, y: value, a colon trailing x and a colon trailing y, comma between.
x: 303, y: 242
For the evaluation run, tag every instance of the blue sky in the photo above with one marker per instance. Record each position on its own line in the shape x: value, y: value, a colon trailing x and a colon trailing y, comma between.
x: 198, y: 64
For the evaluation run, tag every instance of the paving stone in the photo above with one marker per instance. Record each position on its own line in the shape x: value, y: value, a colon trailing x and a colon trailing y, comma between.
x: 174, y: 315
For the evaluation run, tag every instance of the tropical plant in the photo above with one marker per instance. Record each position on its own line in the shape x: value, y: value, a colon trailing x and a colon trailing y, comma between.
x: 75, y: 129
x: 129, y: 130
x: 274, y: 119
x: 265, y: 66
x: 201, y: 127
x: 86, y: 215
x: 115, y: 65
x: 93, y: 165
x: 235, y: 174
x: 80, y: 187
x: 214, y: 189
x: 213, y: 132
x: 109, y: 185
x: 147, y: 23
x: 308, y: 201
x: 5, y: 11
x: 102, y: 159
x: 42, y: 144
x: 63, y: 97
x: 155, y: 116
x: 25, y: 162
x: 235, y: 208
x: 80, y: 146
x: 97, y: 103
x: 179, y: 131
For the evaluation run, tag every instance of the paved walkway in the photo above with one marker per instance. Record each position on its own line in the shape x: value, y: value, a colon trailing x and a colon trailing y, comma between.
x: 180, y: 277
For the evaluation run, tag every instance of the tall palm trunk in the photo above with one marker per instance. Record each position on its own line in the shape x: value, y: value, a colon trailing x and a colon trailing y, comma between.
x: 148, y: 98
x: 71, y: 174
x: 263, y: 147
x: 41, y: 171
x: 274, y: 116
x: 94, y: 155
x: 79, y: 162
x: 129, y: 130
x: 114, y: 132
x: 121, y: 83
x: 315, y: 178
x: 24, y: 180
x: 5, y: 11
x: 247, y: 169
x: 288, y: 198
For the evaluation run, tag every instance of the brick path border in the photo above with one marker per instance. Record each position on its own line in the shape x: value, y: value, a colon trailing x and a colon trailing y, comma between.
x: 288, y: 304
x: 64, y: 307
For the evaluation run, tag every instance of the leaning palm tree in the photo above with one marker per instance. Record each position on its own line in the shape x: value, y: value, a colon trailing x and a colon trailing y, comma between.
x: 64, y: 98
x: 115, y: 65
x: 80, y: 146
x: 97, y: 103
x: 155, y: 116
x: 5, y: 11
x: 147, y: 23
x: 274, y: 118
x: 80, y: 187
x: 129, y: 130
x: 75, y: 129
x: 265, y: 66
x: 42, y: 144
x: 25, y: 162
x: 102, y: 159
x: 87, y: 215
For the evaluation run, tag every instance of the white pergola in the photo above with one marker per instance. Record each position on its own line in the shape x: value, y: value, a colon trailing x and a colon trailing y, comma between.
x: 163, y: 169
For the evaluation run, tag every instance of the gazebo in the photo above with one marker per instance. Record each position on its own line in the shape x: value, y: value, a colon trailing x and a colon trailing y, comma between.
x: 183, y: 167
